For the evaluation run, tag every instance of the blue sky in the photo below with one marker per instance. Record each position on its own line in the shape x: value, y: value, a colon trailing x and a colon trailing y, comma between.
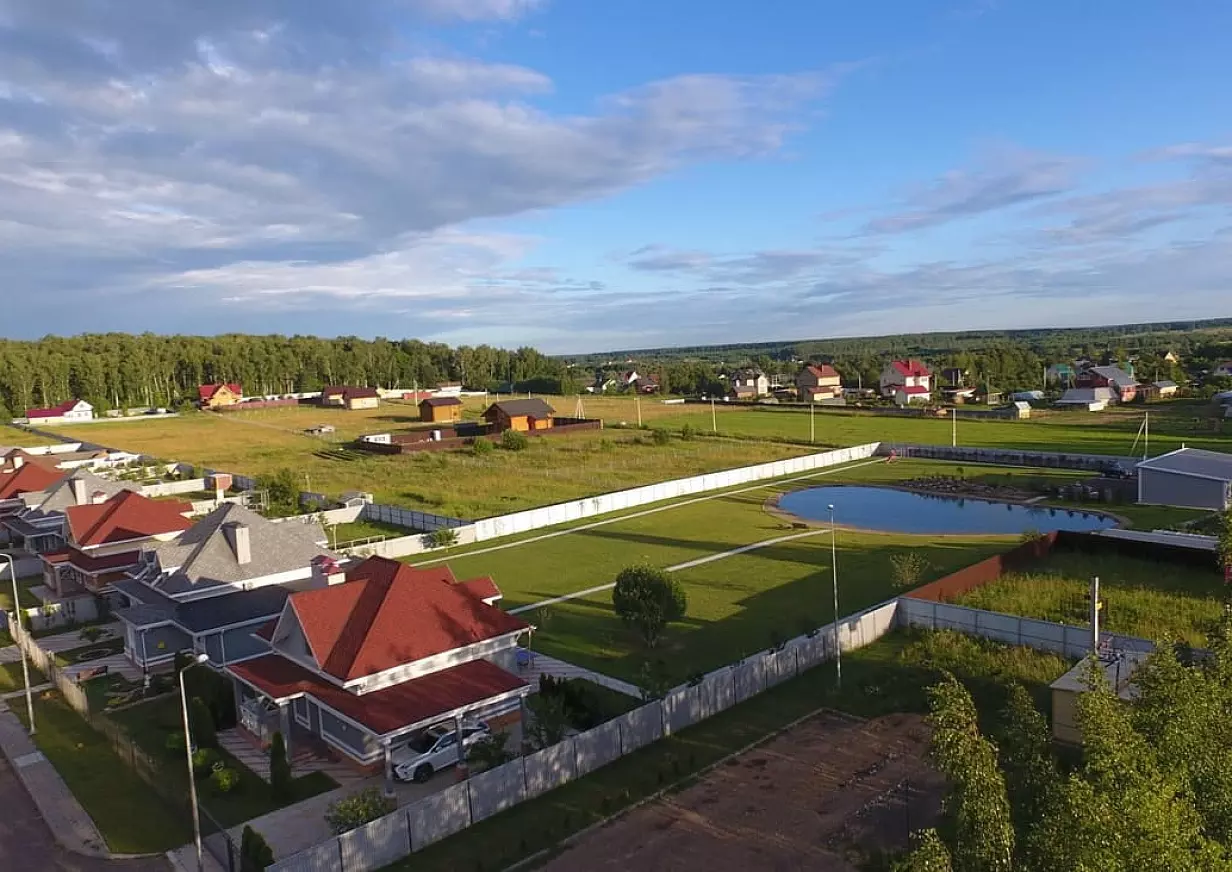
x: 580, y: 175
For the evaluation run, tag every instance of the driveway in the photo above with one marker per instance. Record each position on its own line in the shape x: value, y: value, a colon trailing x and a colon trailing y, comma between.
x: 26, y: 844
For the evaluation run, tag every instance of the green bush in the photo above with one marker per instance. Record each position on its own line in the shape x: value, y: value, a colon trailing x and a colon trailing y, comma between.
x: 202, y: 723
x: 204, y: 761
x: 482, y: 446
x: 647, y: 600
x: 443, y: 538
x: 661, y: 436
x: 907, y: 568
x: 280, y: 769
x: 514, y: 440
x: 224, y: 780
x: 255, y: 852
x: 357, y: 809
x: 175, y: 744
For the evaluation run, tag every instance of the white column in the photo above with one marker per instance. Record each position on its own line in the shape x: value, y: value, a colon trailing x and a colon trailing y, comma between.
x: 387, y: 749
x: 284, y: 724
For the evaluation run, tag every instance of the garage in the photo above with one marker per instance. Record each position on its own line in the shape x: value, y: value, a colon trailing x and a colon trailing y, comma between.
x: 1187, y: 478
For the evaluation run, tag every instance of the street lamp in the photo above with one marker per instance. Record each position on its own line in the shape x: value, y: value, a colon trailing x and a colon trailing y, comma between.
x: 838, y: 653
x: 188, y: 751
x: 25, y: 665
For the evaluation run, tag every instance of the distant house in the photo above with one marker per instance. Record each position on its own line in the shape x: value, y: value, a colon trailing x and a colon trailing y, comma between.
x: 350, y: 397
x: 748, y: 384
x: 1123, y: 385
x: 39, y: 526
x: 957, y: 394
x: 1087, y: 399
x: 1172, y: 357
x: 215, y: 396
x: 646, y: 385
x: 629, y: 378
x: 66, y: 412
x: 439, y: 410
x: 1224, y: 369
x: 1187, y: 478
x: 906, y: 381
x: 1061, y: 373
x: 817, y: 382
x: 20, y: 478
x: 954, y: 376
x: 448, y: 389
x: 522, y: 415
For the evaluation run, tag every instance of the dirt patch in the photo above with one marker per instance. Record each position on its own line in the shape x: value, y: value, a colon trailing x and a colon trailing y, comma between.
x: 823, y: 796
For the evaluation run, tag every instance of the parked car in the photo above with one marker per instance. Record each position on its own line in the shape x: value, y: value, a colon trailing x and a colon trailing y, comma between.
x: 433, y: 750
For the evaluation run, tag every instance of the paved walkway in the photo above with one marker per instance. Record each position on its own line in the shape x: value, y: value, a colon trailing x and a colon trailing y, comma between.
x: 303, y: 759
x: 72, y: 638
x: 18, y: 694
x: 67, y: 820
x: 542, y: 664
x: 114, y: 663
x: 10, y: 654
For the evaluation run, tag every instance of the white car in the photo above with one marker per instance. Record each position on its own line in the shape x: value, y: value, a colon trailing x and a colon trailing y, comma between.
x: 433, y: 750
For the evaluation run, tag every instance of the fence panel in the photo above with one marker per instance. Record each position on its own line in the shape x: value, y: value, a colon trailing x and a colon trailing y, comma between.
x: 780, y: 666
x: 749, y: 678
x: 640, y: 727
x: 813, y: 650
x: 550, y: 768
x: 323, y: 857
x: 438, y: 816
x: 376, y: 844
x: 497, y: 789
x: 680, y: 709
x: 596, y: 747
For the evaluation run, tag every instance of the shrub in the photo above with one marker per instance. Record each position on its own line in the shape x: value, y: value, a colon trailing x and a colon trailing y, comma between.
x: 357, y: 809
x: 514, y: 440
x: 443, y: 538
x: 688, y: 432
x: 1030, y: 535
x: 203, y: 760
x: 490, y: 751
x: 280, y: 769
x: 216, y: 692
x: 661, y: 436
x: 175, y: 744
x: 91, y: 634
x: 482, y: 446
x: 647, y: 600
x: 224, y: 780
x: 255, y: 852
x: 202, y: 723
x: 907, y: 569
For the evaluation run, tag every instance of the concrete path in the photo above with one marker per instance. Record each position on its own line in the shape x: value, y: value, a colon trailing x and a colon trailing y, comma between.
x: 542, y: 664
x: 27, y: 844
x: 72, y: 638
x: 688, y: 564
x: 303, y: 760
x: 10, y: 654
x: 68, y: 821
x: 114, y: 663
x: 18, y: 694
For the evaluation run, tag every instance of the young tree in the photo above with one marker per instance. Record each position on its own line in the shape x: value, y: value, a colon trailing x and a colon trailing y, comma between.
x: 1032, y: 778
x: 202, y: 723
x: 490, y: 751
x: 647, y: 600
x: 549, y: 720
x: 1224, y: 547
x: 280, y: 768
x: 357, y: 809
x: 928, y: 854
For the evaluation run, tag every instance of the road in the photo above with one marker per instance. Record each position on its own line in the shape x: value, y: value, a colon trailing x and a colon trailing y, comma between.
x: 26, y: 844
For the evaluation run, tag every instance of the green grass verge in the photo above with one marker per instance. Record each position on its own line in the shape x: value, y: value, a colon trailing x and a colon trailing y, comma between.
x: 1145, y: 598
x: 130, y: 816
x: 364, y: 529
x: 90, y: 651
x: 150, y: 723
x: 888, y: 676
x: 11, y: 677
x: 28, y: 599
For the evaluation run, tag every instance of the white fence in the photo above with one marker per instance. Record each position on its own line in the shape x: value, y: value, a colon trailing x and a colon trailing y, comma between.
x: 1074, y: 642
x: 560, y: 513
x: 415, y: 827
x: 171, y: 488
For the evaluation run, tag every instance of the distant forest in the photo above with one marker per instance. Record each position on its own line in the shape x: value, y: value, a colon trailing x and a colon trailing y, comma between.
x: 1001, y: 359
x: 117, y: 370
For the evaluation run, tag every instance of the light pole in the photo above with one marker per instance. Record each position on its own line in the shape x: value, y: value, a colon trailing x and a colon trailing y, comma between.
x: 838, y: 653
x: 188, y: 751
x: 25, y: 663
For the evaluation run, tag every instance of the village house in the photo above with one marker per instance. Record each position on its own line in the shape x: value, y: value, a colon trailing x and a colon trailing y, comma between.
x: 748, y: 384
x: 65, y: 413
x: 523, y: 415
x: 440, y: 410
x: 1062, y: 374
x: 387, y: 652
x: 215, y: 396
x: 1223, y: 368
x: 351, y: 398
x: 208, y: 589
x: 818, y: 382
x: 1123, y: 385
x: 39, y: 526
x: 646, y: 385
x: 954, y: 376
x: 1087, y: 399
x: 906, y: 381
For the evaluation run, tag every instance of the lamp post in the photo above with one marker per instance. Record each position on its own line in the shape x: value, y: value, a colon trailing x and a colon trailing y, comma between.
x: 838, y: 653
x: 188, y: 751
x: 25, y: 663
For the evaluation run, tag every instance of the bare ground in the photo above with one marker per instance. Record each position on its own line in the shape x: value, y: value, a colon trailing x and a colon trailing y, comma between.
x: 823, y: 796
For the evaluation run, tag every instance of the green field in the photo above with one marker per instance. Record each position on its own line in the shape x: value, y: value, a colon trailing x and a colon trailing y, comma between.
x: 1160, y: 601
x: 15, y: 437
x: 888, y: 676
x: 737, y: 605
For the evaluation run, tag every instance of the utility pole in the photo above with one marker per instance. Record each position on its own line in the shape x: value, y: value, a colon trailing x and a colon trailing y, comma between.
x: 714, y: 421
x: 954, y: 427
x: 637, y: 401
x: 25, y: 663
x: 1095, y: 607
x: 1146, y: 435
x: 812, y: 428
x: 838, y: 651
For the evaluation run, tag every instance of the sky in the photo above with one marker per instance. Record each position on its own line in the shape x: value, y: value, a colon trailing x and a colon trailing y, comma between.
x: 585, y: 175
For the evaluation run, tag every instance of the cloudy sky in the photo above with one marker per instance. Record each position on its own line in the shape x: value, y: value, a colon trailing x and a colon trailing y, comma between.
x: 591, y: 174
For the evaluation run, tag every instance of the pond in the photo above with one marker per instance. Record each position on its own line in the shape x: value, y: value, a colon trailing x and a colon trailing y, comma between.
x: 897, y: 511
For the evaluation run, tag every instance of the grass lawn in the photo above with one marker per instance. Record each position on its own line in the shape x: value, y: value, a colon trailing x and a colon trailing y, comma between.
x: 90, y: 651
x: 150, y: 723
x: 340, y: 534
x: 888, y: 676
x: 1146, y: 517
x: 15, y: 437
x: 128, y: 813
x: 11, y: 677
x: 1142, y: 598
x: 28, y: 599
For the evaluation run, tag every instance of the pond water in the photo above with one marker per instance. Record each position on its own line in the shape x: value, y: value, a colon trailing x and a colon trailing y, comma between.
x: 898, y: 511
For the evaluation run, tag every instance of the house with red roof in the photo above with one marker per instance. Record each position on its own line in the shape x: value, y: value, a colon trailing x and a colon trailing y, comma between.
x: 103, y: 540
x: 22, y: 474
x: 65, y: 413
x: 906, y: 381
x: 818, y: 382
x: 216, y: 396
x: 387, y: 652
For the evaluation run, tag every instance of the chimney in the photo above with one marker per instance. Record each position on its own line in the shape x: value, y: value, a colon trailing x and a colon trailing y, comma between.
x: 326, y: 571
x: 98, y: 497
x: 78, y: 486
x: 237, y: 538
x: 18, y: 461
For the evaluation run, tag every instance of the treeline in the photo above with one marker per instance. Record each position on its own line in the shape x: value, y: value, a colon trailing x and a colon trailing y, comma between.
x: 118, y: 370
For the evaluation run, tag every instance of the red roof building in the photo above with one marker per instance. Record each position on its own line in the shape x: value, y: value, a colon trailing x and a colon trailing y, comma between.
x: 27, y: 478
x: 73, y: 409
x: 213, y: 396
x: 900, y: 377
x: 127, y: 517
x: 910, y: 368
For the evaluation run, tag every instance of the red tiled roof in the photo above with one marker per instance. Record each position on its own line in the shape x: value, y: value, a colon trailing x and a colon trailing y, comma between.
x: 484, y: 588
x: 54, y: 411
x: 28, y: 478
x: 206, y: 392
x: 127, y: 515
x: 383, y: 711
x: 823, y: 370
x: 914, y: 390
x: 360, y: 393
x: 388, y: 614
x: 910, y: 367
x: 89, y: 563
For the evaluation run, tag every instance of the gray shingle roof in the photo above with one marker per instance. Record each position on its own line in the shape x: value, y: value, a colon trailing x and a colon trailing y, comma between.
x: 1116, y: 375
x: 201, y: 615
x: 202, y: 556
x: 60, y: 496
x: 1086, y: 395
x: 1193, y: 461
